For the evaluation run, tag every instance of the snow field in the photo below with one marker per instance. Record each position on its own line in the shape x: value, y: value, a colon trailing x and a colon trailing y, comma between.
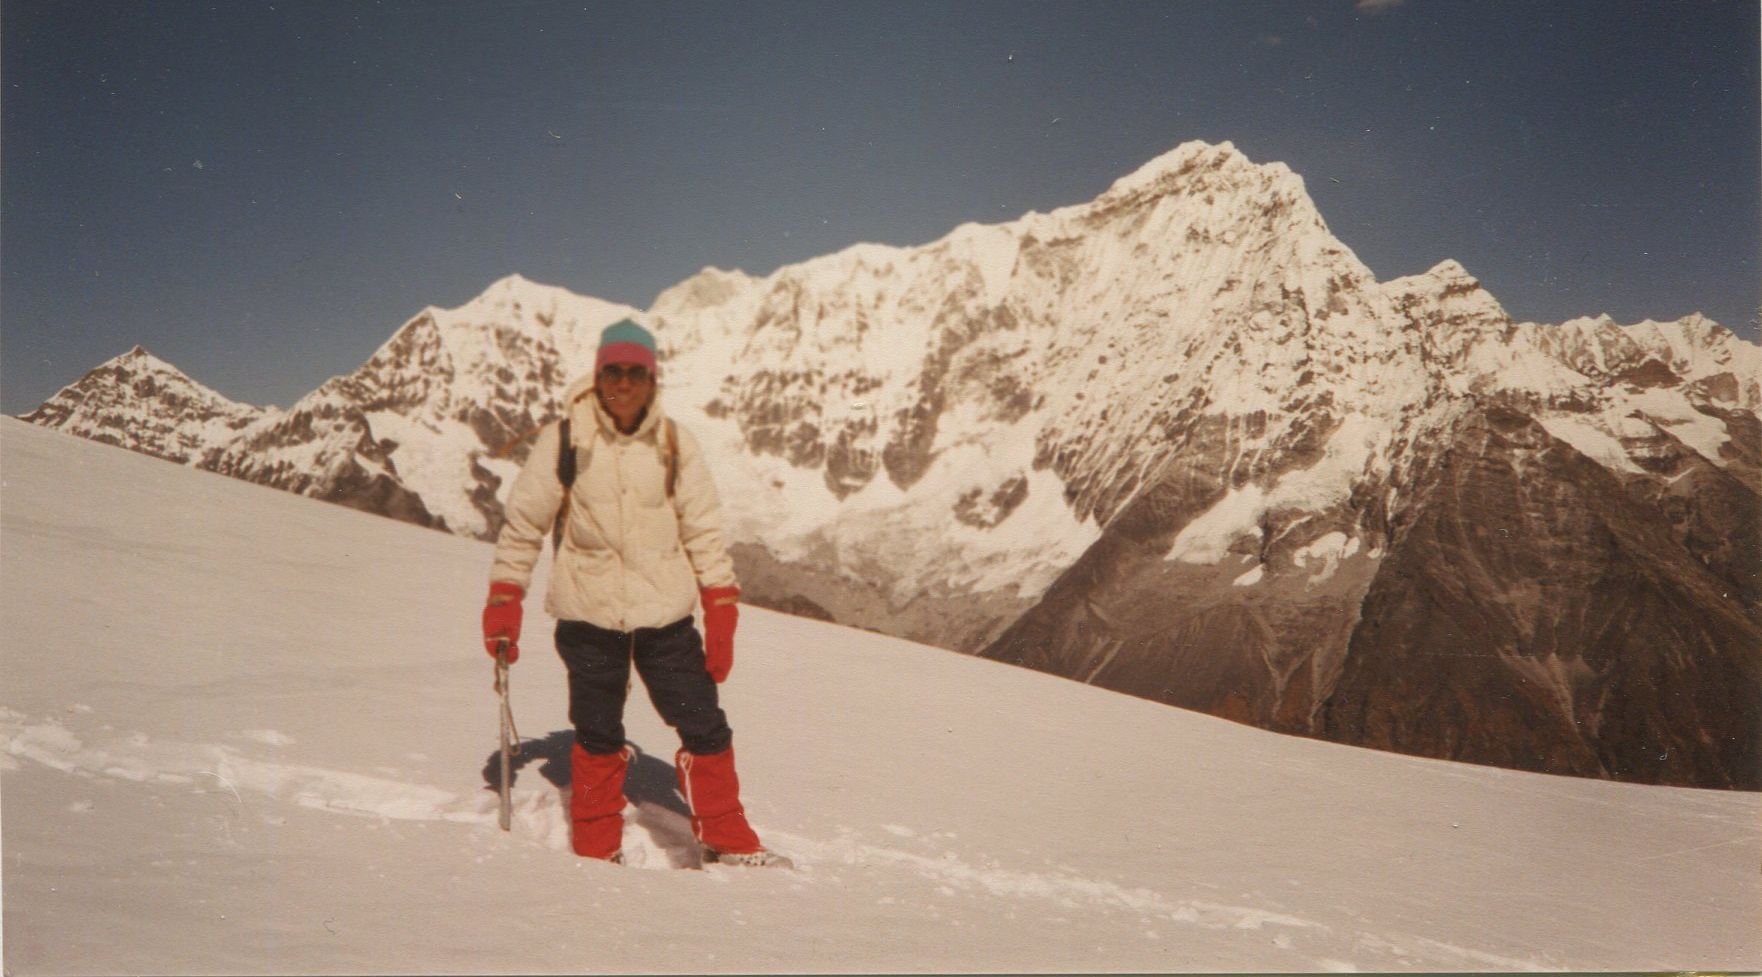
x: 243, y: 731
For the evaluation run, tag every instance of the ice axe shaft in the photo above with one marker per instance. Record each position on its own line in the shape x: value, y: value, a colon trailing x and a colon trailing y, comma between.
x: 510, y: 738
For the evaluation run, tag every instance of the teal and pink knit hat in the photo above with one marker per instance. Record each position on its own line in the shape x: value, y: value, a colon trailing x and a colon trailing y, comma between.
x: 626, y: 342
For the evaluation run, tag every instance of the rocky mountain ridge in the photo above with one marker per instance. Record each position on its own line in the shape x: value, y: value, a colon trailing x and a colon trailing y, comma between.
x: 140, y: 402
x: 1176, y: 441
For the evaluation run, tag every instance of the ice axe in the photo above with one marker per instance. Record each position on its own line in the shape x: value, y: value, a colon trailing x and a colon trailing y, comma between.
x: 510, y: 737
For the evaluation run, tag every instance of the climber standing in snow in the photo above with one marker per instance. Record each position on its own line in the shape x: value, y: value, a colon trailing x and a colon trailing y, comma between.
x: 638, y: 544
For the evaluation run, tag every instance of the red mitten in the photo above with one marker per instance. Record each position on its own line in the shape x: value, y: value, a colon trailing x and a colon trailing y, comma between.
x: 501, y: 619
x: 721, y: 614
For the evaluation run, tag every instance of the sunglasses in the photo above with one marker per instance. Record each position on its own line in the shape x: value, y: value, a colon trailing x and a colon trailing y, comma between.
x: 613, y: 372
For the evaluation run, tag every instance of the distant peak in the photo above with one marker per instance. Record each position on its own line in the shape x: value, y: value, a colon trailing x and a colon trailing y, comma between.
x: 1695, y: 326
x: 711, y: 276
x: 513, y: 288
x: 712, y: 272
x: 1186, y: 155
x: 511, y: 281
x: 1452, y: 269
x: 518, y: 284
x: 138, y: 362
x: 139, y: 357
x: 1198, y: 168
x: 709, y: 287
x: 1191, y: 150
x: 1693, y: 322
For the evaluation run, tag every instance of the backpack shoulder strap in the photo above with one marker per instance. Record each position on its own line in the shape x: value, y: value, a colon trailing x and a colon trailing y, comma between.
x: 565, y: 455
x: 569, y: 464
x: 670, y: 453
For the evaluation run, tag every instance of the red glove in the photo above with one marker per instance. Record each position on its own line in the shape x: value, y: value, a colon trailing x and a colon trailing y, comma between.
x: 501, y: 619
x: 721, y: 613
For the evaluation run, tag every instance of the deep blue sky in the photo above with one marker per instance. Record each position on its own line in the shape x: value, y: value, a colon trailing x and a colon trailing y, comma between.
x: 262, y: 191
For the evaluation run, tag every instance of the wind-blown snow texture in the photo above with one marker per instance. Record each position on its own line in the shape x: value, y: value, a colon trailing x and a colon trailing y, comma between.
x: 244, y: 733
x: 1176, y: 441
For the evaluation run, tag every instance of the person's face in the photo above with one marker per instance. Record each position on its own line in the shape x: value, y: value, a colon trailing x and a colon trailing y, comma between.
x: 624, y: 390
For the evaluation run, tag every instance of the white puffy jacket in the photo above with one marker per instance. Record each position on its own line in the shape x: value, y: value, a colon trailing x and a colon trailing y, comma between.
x: 630, y: 556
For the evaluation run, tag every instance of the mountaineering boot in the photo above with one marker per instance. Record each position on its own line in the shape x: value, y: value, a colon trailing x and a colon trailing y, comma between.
x: 763, y: 858
x: 596, y: 803
x: 712, y: 791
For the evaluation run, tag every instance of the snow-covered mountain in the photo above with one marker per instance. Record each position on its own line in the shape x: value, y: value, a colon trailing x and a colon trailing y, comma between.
x: 1176, y: 441
x: 244, y: 733
x: 140, y: 402
x: 406, y: 433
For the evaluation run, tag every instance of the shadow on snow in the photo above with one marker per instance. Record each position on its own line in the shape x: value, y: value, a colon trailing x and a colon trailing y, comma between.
x: 651, y: 787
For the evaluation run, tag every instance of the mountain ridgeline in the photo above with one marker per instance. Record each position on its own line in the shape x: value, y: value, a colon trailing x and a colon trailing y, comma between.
x: 1176, y: 441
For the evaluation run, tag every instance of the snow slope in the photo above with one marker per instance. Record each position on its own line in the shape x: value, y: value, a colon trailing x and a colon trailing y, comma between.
x: 245, y: 732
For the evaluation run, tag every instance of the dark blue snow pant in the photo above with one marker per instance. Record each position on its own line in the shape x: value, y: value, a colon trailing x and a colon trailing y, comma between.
x: 670, y: 660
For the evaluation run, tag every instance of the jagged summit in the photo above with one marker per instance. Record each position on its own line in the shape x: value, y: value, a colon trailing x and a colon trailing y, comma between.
x: 710, y: 287
x: 1183, y: 157
x: 1451, y: 270
x: 138, y: 401
x: 1700, y: 321
x: 1693, y: 331
x: 512, y: 280
x: 139, y: 368
x: 1446, y: 294
x: 516, y: 287
x: 138, y: 357
x: 1198, y: 166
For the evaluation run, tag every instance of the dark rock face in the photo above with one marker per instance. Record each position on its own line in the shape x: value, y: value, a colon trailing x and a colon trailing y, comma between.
x: 1532, y: 614
x: 1524, y: 607
x: 338, y: 441
x: 1705, y: 508
x: 373, y: 492
x: 1652, y: 373
x: 1127, y: 618
x: 981, y: 511
x: 1742, y: 454
x: 849, y: 464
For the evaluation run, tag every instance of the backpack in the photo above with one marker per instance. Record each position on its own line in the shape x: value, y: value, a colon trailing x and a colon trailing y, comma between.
x: 568, y: 466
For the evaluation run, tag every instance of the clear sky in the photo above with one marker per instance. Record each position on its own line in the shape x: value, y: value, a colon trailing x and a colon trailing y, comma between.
x: 262, y: 191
